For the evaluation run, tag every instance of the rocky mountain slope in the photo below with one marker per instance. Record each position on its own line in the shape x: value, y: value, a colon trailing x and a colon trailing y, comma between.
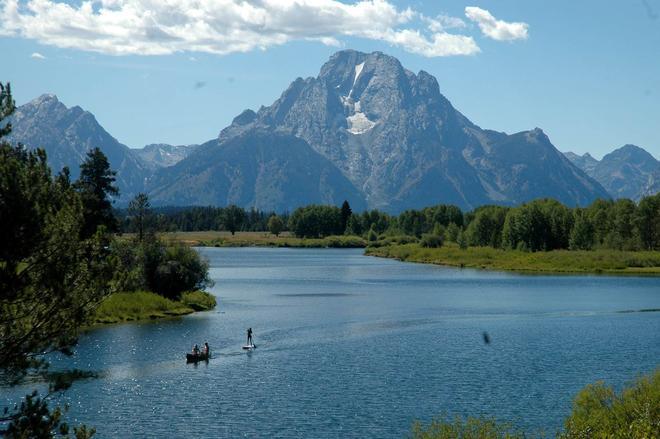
x: 67, y: 134
x: 627, y: 172
x: 365, y: 129
x: 162, y: 155
x: 396, y: 139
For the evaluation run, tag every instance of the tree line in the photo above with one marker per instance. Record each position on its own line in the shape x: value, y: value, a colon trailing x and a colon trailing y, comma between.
x: 539, y: 225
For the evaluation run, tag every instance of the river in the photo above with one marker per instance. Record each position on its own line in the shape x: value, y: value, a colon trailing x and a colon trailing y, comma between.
x: 355, y: 346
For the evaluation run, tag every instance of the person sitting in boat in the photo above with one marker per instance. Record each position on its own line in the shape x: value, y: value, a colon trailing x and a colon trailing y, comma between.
x: 249, y: 337
x: 206, y: 349
x: 195, y: 350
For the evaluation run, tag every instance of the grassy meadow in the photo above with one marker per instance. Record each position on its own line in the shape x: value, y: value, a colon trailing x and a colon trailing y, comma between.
x: 144, y: 305
x: 257, y: 239
x: 558, y: 261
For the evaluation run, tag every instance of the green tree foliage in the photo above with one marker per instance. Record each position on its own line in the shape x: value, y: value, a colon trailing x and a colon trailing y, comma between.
x: 139, y: 211
x: 623, y: 234
x: 197, y: 218
x: 412, y: 222
x: 95, y: 186
x: 486, y: 227
x: 470, y: 428
x: 582, y: 235
x: 599, y: 412
x: 451, y: 232
x: 431, y: 241
x: 180, y: 270
x: 275, y: 225
x: 539, y: 225
x: 34, y: 419
x: 543, y: 224
x: 232, y: 218
x: 462, y: 240
x: 346, y: 213
x: 7, y: 107
x: 648, y: 222
x: 50, y: 279
x: 316, y: 221
x: 444, y: 214
x: 150, y: 265
x: 372, y: 236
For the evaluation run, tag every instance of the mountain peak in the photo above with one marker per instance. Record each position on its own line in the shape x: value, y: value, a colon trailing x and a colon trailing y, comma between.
x: 631, y: 153
x: 48, y: 100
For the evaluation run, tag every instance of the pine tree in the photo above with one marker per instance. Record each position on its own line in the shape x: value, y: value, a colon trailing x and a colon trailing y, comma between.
x: 346, y: 213
x: 139, y: 209
x: 95, y: 185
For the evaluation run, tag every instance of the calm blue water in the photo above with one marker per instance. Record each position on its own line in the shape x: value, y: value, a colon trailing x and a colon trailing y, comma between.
x: 353, y: 346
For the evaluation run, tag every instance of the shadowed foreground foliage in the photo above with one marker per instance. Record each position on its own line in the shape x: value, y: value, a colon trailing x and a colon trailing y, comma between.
x: 599, y: 412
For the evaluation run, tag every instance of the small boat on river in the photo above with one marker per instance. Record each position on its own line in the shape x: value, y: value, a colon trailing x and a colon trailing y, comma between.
x: 194, y: 358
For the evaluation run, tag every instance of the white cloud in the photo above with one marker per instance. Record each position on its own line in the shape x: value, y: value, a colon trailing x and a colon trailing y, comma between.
x: 496, y: 29
x: 155, y: 27
x: 37, y: 55
x: 444, y: 22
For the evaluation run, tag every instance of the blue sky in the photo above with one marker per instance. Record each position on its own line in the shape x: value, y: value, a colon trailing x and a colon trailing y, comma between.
x: 586, y: 72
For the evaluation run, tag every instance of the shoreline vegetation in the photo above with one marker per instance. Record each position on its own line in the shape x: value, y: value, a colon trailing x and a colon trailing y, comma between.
x: 145, y: 306
x: 409, y: 249
x: 257, y: 239
x: 611, y: 262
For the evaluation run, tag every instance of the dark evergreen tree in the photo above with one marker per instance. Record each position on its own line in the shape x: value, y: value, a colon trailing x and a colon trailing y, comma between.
x: 50, y: 281
x: 232, y: 218
x: 139, y: 210
x: 346, y: 213
x: 95, y: 186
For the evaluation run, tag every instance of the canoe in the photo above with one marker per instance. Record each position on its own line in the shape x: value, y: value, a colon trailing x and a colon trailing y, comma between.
x: 194, y: 358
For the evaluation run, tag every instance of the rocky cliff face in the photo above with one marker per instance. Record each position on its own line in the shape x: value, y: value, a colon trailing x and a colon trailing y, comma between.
x: 67, y: 134
x: 267, y: 170
x: 627, y: 172
x: 161, y: 155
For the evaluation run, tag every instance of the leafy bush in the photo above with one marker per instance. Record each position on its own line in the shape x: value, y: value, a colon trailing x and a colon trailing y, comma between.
x: 180, y: 269
x: 471, y: 428
x: 598, y: 411
x: 165, y: 270
x: 431, y: 241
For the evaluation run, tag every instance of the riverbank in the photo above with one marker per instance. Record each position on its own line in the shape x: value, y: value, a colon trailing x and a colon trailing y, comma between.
x: 259, y: 239
x: 558, y: 261
x: 144, y: 305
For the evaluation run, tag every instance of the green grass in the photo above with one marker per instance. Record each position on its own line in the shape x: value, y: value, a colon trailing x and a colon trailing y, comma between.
x: 144, y: 305
x: 558, y: 261
x: 258, y: 239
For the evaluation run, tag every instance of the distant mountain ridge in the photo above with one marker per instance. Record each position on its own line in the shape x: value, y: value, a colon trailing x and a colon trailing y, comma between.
x: 398, y: 141
x: 67, y: 134
x: 365, y: 129
x: 627, y: 172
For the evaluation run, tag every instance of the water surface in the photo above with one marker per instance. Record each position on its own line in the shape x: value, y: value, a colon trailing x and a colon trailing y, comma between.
x: 355, y: 346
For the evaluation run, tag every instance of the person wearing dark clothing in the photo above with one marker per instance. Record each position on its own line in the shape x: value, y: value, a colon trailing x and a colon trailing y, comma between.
x: 249, y: 336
